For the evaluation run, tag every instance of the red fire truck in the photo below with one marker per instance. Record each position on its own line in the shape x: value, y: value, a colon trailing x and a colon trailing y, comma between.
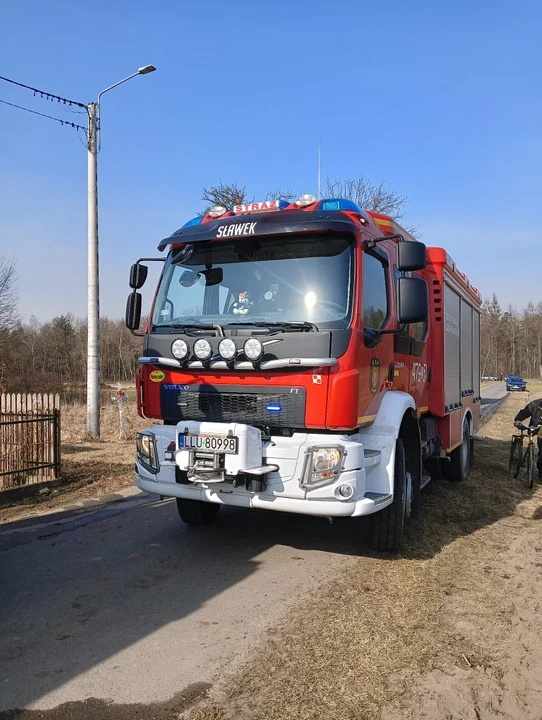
x: 307, y: 357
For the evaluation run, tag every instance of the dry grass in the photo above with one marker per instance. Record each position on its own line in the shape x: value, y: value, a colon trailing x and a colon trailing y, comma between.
x: 74, y: 423
x: 349, y: 649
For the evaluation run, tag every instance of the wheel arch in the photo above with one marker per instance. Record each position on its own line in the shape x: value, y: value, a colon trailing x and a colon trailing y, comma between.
x: 467, y: 415
x: 397, y: 418
x: 409, y: 432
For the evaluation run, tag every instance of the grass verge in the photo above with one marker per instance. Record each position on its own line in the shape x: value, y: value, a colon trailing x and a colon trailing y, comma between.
x: 348, y: 650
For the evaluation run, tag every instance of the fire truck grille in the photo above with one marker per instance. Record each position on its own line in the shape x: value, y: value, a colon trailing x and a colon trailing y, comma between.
x: 276, y: 407
x: 230, y: 405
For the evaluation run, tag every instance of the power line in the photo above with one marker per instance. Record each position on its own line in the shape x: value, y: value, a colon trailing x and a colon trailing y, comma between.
x: 85, y: 143
x: 50, y: 117
x: 43, y: 94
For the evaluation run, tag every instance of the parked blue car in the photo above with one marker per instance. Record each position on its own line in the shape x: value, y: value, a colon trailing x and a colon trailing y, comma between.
x: 514, y: 382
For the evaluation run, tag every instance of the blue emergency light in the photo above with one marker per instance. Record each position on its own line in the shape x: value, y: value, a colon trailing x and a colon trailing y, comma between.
x: 338, y: 204
x: 194, y: 221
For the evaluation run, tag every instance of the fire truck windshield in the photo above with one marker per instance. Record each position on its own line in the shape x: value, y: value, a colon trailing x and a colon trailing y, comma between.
x: 281, y: 279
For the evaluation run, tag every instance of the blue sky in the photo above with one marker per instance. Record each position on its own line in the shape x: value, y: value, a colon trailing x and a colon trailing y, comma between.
x: 439, y: 99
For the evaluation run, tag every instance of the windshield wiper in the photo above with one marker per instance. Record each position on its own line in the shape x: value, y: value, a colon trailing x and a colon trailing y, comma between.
x: 284, y: 325
x: 193, y: 326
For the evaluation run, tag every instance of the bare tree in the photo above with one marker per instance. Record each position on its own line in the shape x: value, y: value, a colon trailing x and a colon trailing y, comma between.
x: 283, y: 194
x: 372, y: 196
x: 9, y: 316
x: 368, y: 195
x: 225, y: 194
x: 365, y: 193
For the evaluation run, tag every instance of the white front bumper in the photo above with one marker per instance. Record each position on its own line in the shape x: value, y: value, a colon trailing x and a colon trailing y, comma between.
x: 283, y: 491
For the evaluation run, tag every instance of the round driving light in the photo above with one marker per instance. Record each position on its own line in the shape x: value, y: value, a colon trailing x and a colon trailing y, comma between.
x: 202, y: 349
x: 227, y: 349
x: 305, y: 200
x: 346, y: 491
x: 179, y: 349
x: 253, y: 349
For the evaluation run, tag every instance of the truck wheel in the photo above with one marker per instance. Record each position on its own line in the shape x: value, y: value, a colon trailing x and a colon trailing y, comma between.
x: 457, y: 469
x: 197, y: 512
x: 388, y: 524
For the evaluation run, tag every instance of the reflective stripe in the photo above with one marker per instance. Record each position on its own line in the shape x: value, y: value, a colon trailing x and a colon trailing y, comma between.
x: 366, y: 419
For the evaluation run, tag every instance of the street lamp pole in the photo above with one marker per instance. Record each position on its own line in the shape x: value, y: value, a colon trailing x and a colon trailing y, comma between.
x: 93, y: 347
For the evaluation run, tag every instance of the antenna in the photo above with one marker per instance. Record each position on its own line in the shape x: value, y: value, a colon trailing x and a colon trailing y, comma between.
x: 319, y: 173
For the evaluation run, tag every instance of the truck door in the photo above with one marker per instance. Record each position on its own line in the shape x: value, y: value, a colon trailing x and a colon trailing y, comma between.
x: 376, y: 349
x: 411, y: 369
x: 420, y: 368
x: 401, y: 350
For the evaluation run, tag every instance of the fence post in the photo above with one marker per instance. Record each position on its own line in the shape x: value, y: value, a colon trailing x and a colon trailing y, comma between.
x: 56, y: 446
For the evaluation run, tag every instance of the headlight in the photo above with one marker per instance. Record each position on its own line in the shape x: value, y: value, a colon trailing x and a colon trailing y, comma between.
x: 326, y: 459
x: 227, y: 349
x: 253, y: 349
x: 179, y: 349
x: 322, y: 466
x: 146, y: 451
x: 202, y: 349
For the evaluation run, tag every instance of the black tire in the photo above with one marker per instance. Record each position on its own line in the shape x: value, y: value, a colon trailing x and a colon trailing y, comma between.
x: 459, y: 464
x: 196, y: 512
x: 530, y: 466
x: 387, y: 525
x: 514, y: 464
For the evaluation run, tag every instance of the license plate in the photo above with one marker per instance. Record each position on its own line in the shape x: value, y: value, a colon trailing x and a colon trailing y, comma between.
x: 216, y: 444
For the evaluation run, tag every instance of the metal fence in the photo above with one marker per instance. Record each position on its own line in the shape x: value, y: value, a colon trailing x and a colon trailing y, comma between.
x: 29, y: 439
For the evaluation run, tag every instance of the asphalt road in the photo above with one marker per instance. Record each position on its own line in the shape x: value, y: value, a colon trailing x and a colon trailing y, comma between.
x: 492, y: 394
x: 126, y: 604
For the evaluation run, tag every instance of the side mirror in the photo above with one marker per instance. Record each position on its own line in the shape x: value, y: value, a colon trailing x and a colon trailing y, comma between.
x: 411, y: 256
x: 133, y: 311
x: 138, y: 275
x: 412, y: 300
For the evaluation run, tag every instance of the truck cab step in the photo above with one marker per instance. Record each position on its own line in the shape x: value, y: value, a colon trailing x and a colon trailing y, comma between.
x: 377, y: 497
x: 426, y: 479
x: 371, y: 457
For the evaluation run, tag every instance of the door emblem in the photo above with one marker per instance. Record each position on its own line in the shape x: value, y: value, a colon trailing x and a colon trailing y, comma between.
x: 375, y: 375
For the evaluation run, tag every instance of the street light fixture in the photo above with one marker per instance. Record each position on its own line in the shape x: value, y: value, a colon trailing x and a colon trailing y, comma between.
x: 93, y: 348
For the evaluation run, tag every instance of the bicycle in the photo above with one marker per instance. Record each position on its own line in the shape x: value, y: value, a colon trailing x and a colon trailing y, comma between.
x: 523, y: 457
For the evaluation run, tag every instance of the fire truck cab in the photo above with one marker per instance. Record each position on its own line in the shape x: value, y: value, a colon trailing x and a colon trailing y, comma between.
x: 308, y: 357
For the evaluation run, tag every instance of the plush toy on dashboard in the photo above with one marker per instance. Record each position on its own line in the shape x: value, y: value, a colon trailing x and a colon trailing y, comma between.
x: 243, y: 305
